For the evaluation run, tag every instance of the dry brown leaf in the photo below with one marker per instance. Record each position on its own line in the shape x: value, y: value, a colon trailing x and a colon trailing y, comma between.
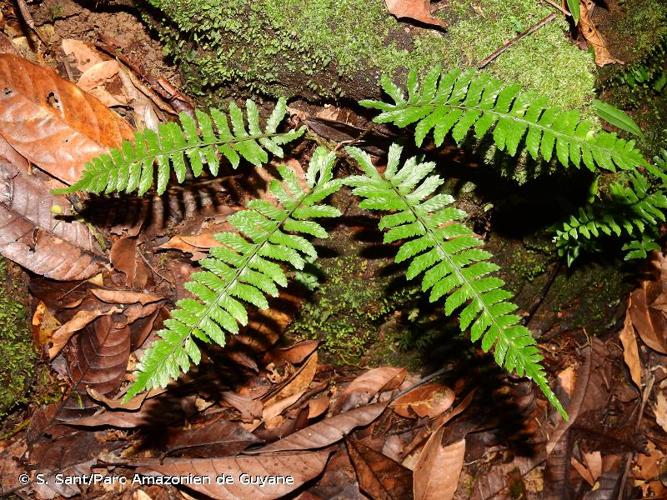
x: 81, y: 54
x: 437, y: 471
x: 294, y: 354
x: 362, y: 389
x: 118, y: 404
x: 301, y: 467
x: 567, y: 380
x: 218, y: 438
x: 417, y: 10
x: 593, y: 37
x: 250, y: 408
x: 125, y: 258
x: 101, y: 356
x: 125, y: 297
x: 317, y: 406
x: 650, y: 323
x: 53, y: 123
x: 594, y: 464
x: 299, y: 383
x: 277, y: 407
x: 380, y: 477
x: 631, y: 351
x: 429, y: 400
x: 327, y: 431
x: 80, y: 320
x: 582, y: 470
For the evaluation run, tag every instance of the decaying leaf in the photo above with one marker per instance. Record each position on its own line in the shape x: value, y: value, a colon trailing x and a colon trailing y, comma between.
x: 294, y: 354
x: 429, y: 400
x: 379, y: 476
x: 593, y: 36
x: 368, y: 384
x: 125, y: 296
x: 102, y: 352
x: 436, y: 474
x: 218, y: 438
x: 51, y: 122
x: 125, y: 258
x: 297, y: 384
x: 300, y: 466
x: 80, y: 320
x: 33, y: 238
x: 327, y: 431
x: 649, y: 322
x: 417, y: 10
x: 660, y: 410
x: 44, y: 323
x: 631, y: 351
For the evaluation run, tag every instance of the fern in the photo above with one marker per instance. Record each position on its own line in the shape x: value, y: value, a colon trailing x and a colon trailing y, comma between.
x: 460, y: 101
x: 635, y: 208
x: 447, y: 255
x: 131, y: 167
x: 243, y: 269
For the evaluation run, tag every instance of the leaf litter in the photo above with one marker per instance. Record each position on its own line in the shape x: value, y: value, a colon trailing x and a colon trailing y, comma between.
x: 272, y: 411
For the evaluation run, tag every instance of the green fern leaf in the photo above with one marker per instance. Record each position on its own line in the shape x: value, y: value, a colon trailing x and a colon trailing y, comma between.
x: 634, y: 208
x: 459, y: 103
x: 244, y: 270
x: 447, y: 256
x: 196, y: 143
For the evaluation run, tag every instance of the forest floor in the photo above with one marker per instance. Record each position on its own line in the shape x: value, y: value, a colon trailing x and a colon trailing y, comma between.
x: 356, y: 387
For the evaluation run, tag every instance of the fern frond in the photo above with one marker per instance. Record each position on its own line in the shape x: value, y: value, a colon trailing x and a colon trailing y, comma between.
x: 196, y: 143
x: 456, y: 102
x: 635, y: 208
x: 244, y: 270
x: 447, y: 256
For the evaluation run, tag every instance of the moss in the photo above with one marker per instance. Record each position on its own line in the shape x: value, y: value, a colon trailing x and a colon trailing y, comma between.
x: 348, y: 310
x: 323, y: 47
x: 16, y: 350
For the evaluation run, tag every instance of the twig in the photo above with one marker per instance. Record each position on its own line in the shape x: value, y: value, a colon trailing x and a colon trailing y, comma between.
x: 27, y: 18
x: 508, y: 44
x: 559, y: 7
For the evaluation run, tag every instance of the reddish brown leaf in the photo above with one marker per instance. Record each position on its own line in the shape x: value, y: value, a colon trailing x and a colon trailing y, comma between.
x: 429, y: 400
x: 101, y: 355
x: 299, y: 383
x: 327, y: 431
x: 650, y: 323
x: 368, y: 384
x: 250, y: 408
x: 124, y: 258
x: 295, y: 468
x: 317, y: 406
x: 379, y: 476
x: 51, y: 122
x: 417, y: 10
x: 436, y: 474
x: 593, y: 36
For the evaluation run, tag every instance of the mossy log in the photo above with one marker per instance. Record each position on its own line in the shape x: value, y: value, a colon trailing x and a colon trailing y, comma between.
x: 325, y: 49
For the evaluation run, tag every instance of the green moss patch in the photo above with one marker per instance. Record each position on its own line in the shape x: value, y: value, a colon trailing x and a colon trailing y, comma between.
x: 328, y: 49
x: 16, y: 351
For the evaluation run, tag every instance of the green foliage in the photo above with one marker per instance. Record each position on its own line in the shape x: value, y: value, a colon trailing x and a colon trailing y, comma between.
x: 575, y: 9
x: 634, y: 208
x: 449, y: 259
x: 243, y: 270
x: 458, y: 101
x: 616, y: 117
x: 131, y: 168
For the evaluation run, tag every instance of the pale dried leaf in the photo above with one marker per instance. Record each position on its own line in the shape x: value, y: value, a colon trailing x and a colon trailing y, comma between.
x: 125, y: 297
x: 80, y: 320
x: 298, y: 384
x: 660, y: 410
x: 594, y: 37
x: 650, y: 323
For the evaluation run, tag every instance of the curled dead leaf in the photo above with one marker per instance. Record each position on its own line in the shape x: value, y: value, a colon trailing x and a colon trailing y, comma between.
x: 631, y: 351
x: 417, y: 10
